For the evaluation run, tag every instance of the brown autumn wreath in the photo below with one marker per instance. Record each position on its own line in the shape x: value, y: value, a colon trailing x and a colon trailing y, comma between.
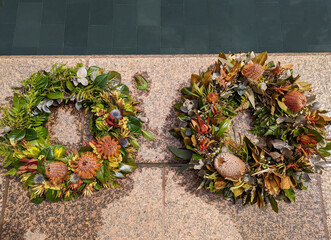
x: 50, y: 172
x: 289, y: 125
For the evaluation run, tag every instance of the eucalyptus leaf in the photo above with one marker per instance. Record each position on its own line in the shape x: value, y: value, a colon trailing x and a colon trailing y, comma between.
x: 181, y: 153
x: 147, y: 135
x: 127, y: 168
x: 140, y: 82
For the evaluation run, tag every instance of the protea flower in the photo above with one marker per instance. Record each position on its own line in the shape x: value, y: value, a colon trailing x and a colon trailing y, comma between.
x: 85, y: 166
x: 295, y: 101
x: 200, y: 126
x: 56, y: 171
x: 106, y: 146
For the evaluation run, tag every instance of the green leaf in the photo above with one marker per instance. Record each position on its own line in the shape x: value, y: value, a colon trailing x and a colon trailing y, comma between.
x: 327, y: 147
x: 261, y: 58
x: 47, y: 152
x: 183, y: 168
x: 141, y: 82
x: 197, y: 156
x: 271, y: 64
x: 52, y: 195
x: 181, y: 153
x: 174, y: 133
x: 117, y: 174
x: 324, y: 153
x: 123, y: 88
x: 147, y: 135
x: 273, y: 203
x: 41, y: 84
x: 17, y: 135
x: 85, y: 149
x: 134, y: 143
x: 37, y: 200
x: 127, y: 168
x: 55, y: 95
x: 223, y: 127
x: 134, y: 125
x: 99, y: 175
x: 70, y: 85
x: 282, y: 105
x: 106, y: 171
x: 31, y: 135
x: 42, y: 132
x: 114, y: 74
x: 11, y: 172
x: 101, y: 80
x: 290, y: 194
x: 97, y: 187
x: 186, y: 91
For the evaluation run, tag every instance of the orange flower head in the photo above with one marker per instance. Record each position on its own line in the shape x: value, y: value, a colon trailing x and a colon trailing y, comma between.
x: 212, y: 98
x: 56, y: 171
x: 86, y: 165
x: 107, y: 146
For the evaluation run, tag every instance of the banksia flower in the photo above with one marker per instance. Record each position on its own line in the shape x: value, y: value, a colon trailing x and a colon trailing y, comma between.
x: 85, y: 166
x: 107, y: 146
x: 253, y: 71
x: 212, y: 98
x: 229, y: 166
x: 295, y: 101
x: 56, y: 171
x: 307, y: 139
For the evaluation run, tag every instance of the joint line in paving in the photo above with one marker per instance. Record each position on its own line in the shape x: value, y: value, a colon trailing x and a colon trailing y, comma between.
x: 4, y: 204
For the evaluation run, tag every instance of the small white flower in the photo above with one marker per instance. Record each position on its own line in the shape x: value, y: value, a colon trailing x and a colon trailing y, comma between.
x: 263, y: 86
x: 81, y: 74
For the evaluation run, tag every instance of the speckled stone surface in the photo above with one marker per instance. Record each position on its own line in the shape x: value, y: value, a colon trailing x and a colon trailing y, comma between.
x: 302, y: 220
x: 154, y: 203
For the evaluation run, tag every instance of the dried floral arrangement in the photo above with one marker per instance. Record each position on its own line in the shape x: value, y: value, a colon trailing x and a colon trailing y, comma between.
x: 49, y: 171
x: 287, y: 123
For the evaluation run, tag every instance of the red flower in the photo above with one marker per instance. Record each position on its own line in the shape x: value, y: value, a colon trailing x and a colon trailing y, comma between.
x: 200, y: 126
x: 29, y: 166
x: 110, y: 120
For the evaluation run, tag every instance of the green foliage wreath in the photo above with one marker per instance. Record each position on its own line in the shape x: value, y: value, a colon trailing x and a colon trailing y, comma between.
x: 50, y: 172
x: 290, y: 128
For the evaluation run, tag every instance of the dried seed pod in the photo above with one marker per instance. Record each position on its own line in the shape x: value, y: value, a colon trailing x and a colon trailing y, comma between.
x: 295, y: 101
x: 229, y: 165
x: 86, y: 165
x: 56, y: 171
x: 253, y: 71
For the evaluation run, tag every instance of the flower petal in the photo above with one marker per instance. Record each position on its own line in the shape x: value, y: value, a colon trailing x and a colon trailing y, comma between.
x: 82, y: 73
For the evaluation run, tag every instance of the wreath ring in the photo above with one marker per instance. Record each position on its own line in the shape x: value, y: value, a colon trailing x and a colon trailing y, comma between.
x: 48, y: 171
x: 289, y: 125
